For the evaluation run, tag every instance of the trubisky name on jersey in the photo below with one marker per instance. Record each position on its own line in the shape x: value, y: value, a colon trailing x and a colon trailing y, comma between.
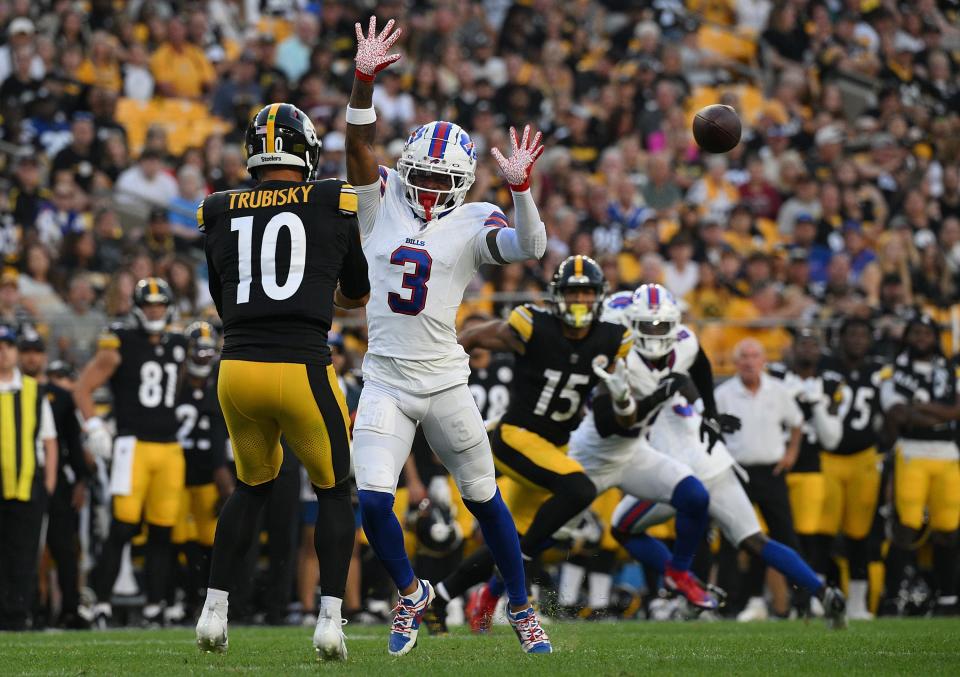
x: 275, y: 197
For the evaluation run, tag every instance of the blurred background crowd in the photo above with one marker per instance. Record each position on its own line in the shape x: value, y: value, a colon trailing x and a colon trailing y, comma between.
x: 118, y: 117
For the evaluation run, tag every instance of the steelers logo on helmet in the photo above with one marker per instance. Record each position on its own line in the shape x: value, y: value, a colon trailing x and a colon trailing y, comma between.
x: 281, y: 135
x: 437, y: 167
x: 655, y: 319
x: 153, y: 305
x: 577, y: 291
x: 201, y: 348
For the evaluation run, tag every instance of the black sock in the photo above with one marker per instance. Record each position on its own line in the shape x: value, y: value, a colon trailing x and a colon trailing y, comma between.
x: 158, y: 561
x: 477, y: 568
x: 945, y: 568
x: 895, y: 564
x: 333, y: 538
x: 108, y: 565
x: 811, y: 547
x: 236, y: 529
x: 573, y: 494
x: 857, y: 558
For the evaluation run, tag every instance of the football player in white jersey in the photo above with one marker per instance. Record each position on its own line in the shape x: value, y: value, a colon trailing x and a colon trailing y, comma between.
x: 424, y: 245
x: 611, y: 442
x: 689, y: 431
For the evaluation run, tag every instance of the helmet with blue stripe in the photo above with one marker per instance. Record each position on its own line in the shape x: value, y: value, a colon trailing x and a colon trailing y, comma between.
x: 655, y: 319
x: 437, y: 168
x: 615, y: 308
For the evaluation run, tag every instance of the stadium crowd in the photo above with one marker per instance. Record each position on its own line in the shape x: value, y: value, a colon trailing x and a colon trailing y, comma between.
x: 842, y: 200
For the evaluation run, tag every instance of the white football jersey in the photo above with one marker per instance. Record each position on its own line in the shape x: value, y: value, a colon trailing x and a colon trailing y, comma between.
x: 418, y: 273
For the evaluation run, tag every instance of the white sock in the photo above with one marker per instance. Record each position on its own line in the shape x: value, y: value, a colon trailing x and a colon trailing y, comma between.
x: 330, y: 606
x: 571, y: 578
x: 216, y: 597
x: 420, y: 593
x: 858, y: 596
x: 599, y: 585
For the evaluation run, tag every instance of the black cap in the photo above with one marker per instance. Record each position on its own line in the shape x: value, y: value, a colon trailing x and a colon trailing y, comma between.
x: 61, y: 368
x: 8, y: 334
x: 31, y: 340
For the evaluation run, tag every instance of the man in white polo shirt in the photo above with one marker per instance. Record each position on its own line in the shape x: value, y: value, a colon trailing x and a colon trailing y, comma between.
x: 766, y: 409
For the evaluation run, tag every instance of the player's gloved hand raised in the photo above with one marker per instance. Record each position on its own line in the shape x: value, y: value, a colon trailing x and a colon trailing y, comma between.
x: 372, y: 50
x: 710, y: 432
x: 516, y: 168
x: 99, y: 439
x: 615, y: 381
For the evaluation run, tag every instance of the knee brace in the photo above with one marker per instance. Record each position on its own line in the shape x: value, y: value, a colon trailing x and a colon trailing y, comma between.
x: 690, y: 497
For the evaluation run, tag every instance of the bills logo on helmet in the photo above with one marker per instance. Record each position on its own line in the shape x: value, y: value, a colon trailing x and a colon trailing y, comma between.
x: 468, y: 146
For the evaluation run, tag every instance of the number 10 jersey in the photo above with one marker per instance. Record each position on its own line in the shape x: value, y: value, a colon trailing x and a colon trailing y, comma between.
x: 275, y: 254
x: 418, y: 273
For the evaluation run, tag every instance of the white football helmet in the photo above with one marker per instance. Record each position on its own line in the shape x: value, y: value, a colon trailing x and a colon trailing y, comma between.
x: 655, y: 319
x: 615, y: 308
x: 444, y: 150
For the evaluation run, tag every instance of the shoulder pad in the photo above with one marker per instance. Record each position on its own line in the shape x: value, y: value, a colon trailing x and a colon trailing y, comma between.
x: 885, y: 372
x: 211, y: 207
x: 111, y: 337
x: 521, y: 321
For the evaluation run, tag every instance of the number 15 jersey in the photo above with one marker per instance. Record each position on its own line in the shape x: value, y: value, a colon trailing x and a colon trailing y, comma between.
x: 418, y: 273
x: 275, y: 254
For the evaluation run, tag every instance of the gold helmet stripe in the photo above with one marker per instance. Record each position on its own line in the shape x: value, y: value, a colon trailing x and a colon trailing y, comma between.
x: 271, y: 121
x: 154, y: 289
x: 578, y: 266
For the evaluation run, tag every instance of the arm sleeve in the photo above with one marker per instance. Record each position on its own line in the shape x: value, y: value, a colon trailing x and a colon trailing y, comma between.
x: 48, y: 429
x: 369, y: 198
x: 354, y: 281
x: 829, y: 427
x: 527, y: 240
x: 213, y: 281
x: 702, y: 375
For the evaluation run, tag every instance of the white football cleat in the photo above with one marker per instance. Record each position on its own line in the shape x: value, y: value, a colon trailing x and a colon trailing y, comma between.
x: 329, y: 640
x: 756, y: 610
x: 212, y: 629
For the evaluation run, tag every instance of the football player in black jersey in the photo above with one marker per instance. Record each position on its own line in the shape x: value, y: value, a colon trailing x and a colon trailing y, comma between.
x: 852, y: 469
x: 203, y: 436
x: 553, y: 375
x: 816, y: 390
x: 142, y: 365
x: 921, y: 404
x: 280, y: 256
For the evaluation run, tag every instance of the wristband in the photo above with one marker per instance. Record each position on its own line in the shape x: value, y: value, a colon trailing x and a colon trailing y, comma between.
x: 92, y: 423
x: 361, y: 116
x: 626, y: 410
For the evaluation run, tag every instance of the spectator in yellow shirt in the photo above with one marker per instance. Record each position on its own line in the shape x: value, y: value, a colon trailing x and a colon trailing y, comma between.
x: 179, y: 68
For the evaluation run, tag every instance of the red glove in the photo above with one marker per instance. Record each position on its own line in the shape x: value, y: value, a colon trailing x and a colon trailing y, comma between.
x: 372, y: 50
x: 516, y: 169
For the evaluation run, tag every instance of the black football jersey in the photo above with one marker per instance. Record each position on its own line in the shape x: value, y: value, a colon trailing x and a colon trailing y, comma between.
x: 145, y: 385
x: 554, y: 376
x: 202, y: 432
x: 810, y: 447
x: 491, y: 385
x: 935, y: 380
x: 859, y: 405
x: 275, y: 255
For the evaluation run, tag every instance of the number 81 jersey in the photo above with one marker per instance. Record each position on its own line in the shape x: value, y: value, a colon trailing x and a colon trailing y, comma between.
x: 145, y: 384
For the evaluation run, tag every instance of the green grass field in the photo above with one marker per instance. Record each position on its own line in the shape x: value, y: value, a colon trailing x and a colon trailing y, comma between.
x: 914, y: 647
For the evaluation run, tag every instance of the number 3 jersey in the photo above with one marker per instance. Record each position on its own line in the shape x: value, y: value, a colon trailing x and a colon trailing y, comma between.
x: 275, y: 255
x: 418, y: 273
x: 145, y: 384
x: 554, y: 375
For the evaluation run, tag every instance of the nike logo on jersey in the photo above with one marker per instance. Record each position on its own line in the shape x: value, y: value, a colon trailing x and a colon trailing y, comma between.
x: 415, y: 242
x: 277, y: 197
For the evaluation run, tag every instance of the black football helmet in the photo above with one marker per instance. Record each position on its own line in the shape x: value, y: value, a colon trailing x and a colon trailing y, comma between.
x: 577, y: 272
x: 282, y: 135
x: 201, y: 348
x: 149, y: 291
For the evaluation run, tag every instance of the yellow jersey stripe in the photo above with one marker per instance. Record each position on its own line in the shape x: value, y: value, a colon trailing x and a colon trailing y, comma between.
x: 28, y: 425
x: 108, y: 342
x: 522, y: 323
x: 8, y: 447
x: 349, y: 202
x: 200, y: 216
x: 626, y: 343
x: 271, y: 123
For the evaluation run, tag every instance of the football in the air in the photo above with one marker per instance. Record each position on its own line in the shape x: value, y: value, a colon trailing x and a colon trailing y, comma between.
x: 716, y: 128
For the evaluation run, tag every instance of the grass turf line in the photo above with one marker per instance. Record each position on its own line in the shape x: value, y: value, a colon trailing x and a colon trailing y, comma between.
x: 925, y: 647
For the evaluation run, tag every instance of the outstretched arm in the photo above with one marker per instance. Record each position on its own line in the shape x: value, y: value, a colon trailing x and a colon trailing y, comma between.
x: 495, y: 335
x: 528, y: 240
x: 371, y: 58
